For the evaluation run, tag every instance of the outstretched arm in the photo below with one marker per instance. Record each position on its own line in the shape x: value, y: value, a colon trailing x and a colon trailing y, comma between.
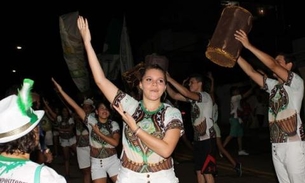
x: 250, y: 71
x: 174, y: 95
x: 70, y: 101
x: 106, y: 86
x: 49, y: 112
x: 183, y: 91
x: 266, y: 59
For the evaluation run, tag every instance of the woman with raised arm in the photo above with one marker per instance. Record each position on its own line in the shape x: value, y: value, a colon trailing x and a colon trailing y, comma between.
x: 104, y: 137
x: 286, y: 92
x: 151, y: 128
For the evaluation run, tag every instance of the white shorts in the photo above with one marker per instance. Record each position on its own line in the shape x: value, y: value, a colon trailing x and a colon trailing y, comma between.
x: 129, y: 176
x: 67, y: 142
x: 83, y: 157
x: 101, y: 167
x: 48, y: 138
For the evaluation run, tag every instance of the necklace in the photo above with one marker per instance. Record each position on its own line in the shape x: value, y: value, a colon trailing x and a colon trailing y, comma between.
x: 150, y: 111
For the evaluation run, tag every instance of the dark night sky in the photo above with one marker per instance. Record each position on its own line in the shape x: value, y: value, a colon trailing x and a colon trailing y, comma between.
x: 35, y: 27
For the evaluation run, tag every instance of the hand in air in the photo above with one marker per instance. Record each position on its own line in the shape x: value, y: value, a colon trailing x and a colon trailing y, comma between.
x: 83, y: 26
x: 241, y: 36
x: 58, y: 87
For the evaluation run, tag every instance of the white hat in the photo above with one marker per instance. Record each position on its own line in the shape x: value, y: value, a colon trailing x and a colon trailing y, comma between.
x: 88, y: 101
x: 17, y: 118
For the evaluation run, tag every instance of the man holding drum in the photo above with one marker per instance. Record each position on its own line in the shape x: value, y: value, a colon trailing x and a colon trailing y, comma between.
x: 285, y: 101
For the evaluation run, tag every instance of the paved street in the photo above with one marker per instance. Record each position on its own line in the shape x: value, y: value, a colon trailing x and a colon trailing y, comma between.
x: 257, y: 167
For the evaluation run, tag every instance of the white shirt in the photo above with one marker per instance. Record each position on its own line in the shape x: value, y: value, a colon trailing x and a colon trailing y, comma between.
x: 20, y: 170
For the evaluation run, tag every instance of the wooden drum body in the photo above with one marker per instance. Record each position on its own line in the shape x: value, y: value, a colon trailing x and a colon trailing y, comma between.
x: 223, y: 49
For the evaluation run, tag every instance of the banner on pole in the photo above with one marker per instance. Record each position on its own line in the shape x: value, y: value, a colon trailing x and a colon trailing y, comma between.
x: 73, y: 50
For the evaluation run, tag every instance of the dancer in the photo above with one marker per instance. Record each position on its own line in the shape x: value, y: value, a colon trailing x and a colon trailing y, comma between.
x: 236, y: 121
x: 151, y: 128
x: 222, y: 151
x: 285, y: 100
x: 104, y: 136
x: 201, y: 116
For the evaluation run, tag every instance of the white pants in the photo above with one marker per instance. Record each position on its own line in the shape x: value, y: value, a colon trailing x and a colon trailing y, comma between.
x: 289, y: 161
x: 164, y: 176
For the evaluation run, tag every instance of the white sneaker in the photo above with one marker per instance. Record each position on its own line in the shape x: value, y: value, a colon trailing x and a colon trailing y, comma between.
x: 243, y: 153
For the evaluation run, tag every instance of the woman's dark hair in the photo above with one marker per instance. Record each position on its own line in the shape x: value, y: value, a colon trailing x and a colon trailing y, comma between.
x: 24, y: 144
x: 153, y: 66
x: 98, y: 103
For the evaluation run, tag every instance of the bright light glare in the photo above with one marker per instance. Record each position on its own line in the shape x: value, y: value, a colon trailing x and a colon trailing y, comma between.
x: 261, y: 11
x: 19, y: 47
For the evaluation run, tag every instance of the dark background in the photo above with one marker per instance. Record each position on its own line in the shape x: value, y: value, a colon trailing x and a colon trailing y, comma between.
x: 36, y: 27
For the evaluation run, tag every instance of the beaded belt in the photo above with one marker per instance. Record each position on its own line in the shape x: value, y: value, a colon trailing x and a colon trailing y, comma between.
x: 145, y: 168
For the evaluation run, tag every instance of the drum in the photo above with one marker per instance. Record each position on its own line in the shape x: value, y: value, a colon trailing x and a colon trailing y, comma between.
x: 223, y: 49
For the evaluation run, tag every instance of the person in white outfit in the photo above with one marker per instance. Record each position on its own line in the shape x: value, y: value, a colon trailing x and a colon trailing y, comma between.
x: 19, y: 136
x: 151, y: 128
x: 286, y: 92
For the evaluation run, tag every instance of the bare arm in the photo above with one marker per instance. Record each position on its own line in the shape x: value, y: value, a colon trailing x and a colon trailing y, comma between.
x: 106, y: 86
x: 164, y: 147
x: 174, y: 95
x: 266, y: 59
x: 182, y: 90
x: 250, y: 71
x: 70, y: 101
x: 51, y: 114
